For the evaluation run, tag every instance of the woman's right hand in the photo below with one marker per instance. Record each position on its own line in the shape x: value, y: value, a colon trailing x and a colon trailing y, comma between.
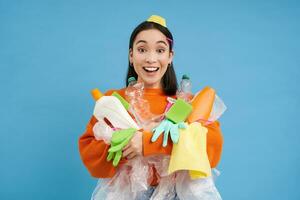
x: 134, y: 147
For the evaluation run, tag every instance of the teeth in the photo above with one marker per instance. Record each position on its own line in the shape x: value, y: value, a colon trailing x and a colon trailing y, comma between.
x: 151, y: 69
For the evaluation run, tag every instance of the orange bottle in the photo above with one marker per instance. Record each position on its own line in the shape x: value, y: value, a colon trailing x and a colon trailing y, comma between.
x: 202, y: 104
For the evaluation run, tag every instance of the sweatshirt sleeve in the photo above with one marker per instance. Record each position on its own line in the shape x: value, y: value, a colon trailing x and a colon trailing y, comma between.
x: 214, y: 144
x: 94, y: 152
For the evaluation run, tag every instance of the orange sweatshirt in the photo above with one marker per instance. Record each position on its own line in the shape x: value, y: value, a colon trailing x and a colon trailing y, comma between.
x: 94, y: 152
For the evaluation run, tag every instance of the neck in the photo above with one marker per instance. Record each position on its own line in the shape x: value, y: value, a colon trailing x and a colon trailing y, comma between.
x: 151, y: 86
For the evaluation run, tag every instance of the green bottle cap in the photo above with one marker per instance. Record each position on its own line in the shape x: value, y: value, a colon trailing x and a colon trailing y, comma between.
x: 130, y: 79
x: 185, y: 77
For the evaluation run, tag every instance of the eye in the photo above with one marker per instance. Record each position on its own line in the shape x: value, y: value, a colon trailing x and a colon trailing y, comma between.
x: 141, y: 50
x: 161, y: 50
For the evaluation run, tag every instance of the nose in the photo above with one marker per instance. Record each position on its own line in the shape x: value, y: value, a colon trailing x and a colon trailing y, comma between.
x: 151, y: 57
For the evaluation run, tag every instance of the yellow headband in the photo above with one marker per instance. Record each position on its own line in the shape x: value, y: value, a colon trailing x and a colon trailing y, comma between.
x: 157, y: 19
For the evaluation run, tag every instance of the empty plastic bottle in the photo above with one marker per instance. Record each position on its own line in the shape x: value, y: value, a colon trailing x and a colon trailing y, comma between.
x: 139, y: 107
x: 134, y: 90
x: 185, y: 89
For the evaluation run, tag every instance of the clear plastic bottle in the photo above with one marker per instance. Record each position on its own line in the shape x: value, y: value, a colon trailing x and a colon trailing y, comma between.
x: 139, y: 107
x: 185, y: 89
x: 134, y: 90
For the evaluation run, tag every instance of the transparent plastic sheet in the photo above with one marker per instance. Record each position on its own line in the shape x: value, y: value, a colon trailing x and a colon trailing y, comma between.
x: 181, y: 184
x: 102, y: 132
x: 218, y: 109
x: 188, y: 189
x: 165, y: 189
x: 131, y: 181
x: 161, y: 164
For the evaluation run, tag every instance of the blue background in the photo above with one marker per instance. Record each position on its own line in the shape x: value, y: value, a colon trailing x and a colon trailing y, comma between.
x: 52, y: 53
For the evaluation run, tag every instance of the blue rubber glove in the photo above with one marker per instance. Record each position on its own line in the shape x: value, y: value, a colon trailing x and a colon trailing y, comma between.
x: 167, y: 127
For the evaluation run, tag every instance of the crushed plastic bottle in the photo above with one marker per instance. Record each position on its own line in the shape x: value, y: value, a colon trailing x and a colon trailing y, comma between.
x: 139, y: 107
x: 134, y: 90
x: 185, y: 89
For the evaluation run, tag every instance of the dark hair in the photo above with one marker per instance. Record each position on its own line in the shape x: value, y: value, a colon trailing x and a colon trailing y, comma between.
x: 169, y: 80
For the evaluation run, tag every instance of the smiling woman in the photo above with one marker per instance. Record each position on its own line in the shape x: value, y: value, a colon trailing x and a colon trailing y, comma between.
x: 150, y: 56
x: 138, y: 170
x: 151, y: 49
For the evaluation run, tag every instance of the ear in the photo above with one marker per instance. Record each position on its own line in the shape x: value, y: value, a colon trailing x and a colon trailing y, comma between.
x: 171, y: 55
x: 130, y: 56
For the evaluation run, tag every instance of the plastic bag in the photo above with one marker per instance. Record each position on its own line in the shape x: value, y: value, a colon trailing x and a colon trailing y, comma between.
x: 130, y: 181
x: 218, y: 109
x: 165, y: 189
x: 188, y: 189
x: 103, y: 132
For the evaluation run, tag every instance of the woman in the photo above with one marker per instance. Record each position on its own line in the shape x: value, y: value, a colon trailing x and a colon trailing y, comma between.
x: 150, y: 61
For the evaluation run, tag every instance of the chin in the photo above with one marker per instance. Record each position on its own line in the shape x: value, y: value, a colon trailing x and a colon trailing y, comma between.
x: 151, y: 83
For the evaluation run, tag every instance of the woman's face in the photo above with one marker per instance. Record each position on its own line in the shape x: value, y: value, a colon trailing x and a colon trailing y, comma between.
x: 150, y: 57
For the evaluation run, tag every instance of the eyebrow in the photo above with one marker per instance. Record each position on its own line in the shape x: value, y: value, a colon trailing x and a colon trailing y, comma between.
x: 143, y: 41
x: 140, y: 41
x: 162, y: 42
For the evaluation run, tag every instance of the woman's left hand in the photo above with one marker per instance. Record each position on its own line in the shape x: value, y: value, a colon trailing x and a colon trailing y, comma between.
x: 134, y: 147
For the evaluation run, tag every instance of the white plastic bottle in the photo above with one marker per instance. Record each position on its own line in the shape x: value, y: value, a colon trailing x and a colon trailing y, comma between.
x: 185, y: 89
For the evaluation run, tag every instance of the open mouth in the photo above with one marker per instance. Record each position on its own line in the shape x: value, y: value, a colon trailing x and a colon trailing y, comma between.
x: 151, y: 69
